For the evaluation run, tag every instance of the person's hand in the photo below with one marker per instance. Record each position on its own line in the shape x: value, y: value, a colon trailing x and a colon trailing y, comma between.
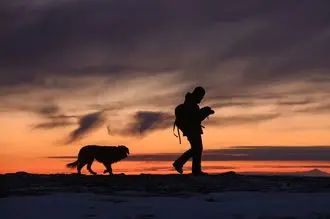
x: 208, y: 110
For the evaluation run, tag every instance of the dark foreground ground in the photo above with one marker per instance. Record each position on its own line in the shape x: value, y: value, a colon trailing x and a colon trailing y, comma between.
x: 18, y: 184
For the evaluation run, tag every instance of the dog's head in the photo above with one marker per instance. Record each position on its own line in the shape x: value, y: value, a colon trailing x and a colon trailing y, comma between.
x: 124, y: 150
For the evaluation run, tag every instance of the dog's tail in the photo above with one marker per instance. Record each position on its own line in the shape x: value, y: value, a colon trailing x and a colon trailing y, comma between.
x: 73, y: 164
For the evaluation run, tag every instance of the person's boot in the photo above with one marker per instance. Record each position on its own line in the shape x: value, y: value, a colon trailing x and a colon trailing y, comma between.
x: 177, y: 168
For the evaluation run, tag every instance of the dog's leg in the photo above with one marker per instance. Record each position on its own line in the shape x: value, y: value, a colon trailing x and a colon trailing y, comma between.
x: 108, y: 168
x: 89, y: 168
x: 80, y: 166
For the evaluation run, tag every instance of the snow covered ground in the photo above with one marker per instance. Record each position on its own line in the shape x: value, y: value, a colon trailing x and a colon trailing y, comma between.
x: 236, y: 205
x: 229, y: 195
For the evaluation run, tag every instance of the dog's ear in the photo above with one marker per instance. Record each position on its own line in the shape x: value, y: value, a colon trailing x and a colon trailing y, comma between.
x: 126, y: 150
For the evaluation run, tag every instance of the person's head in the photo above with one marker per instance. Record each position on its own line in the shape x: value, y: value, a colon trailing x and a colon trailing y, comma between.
x: 198, y: 94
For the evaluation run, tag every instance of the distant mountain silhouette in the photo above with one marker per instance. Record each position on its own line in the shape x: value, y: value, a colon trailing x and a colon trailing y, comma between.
x: 313, y: 172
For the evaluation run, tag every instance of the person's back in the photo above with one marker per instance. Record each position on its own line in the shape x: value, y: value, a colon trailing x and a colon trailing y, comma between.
x: 191, y: 110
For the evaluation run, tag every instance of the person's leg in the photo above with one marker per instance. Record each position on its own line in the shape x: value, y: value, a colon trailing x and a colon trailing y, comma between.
x: 197, y: 148
x: 180, y: 162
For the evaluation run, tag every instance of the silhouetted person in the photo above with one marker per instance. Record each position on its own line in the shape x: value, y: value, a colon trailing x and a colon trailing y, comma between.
x: 188, y: 119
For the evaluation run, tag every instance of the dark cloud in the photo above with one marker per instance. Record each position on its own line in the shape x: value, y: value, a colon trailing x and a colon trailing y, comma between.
x: 280, y: 42
x: 53, y: 116
x: 52, y: 111
x: 52, y: 125
x: 87, y: 123
x: 144, y: 122
x: 243, y: 52
x: 248, y: 153
x: 49, y: 110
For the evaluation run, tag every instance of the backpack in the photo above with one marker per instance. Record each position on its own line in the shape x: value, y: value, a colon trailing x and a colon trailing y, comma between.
x: 179, y: 120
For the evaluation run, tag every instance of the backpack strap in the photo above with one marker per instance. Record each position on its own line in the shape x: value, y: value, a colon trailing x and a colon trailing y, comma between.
x: 174, y: 129
x: 174, y: 124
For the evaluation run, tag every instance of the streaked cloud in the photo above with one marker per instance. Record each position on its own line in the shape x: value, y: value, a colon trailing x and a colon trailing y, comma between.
x: 52, y: 125
x: 86, y: 123
x: 119, y: 56
x: 144, y: 121
x: 123, y: 39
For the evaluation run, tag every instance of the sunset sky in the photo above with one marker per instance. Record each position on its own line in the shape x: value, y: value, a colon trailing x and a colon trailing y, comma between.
x: 71, y: 68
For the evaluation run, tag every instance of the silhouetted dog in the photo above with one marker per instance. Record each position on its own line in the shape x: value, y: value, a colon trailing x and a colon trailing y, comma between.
x: 106, y: 155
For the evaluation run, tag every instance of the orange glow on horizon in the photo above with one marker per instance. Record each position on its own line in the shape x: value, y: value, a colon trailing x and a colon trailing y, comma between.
x: 54, y: 166
x: 19, y: 140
